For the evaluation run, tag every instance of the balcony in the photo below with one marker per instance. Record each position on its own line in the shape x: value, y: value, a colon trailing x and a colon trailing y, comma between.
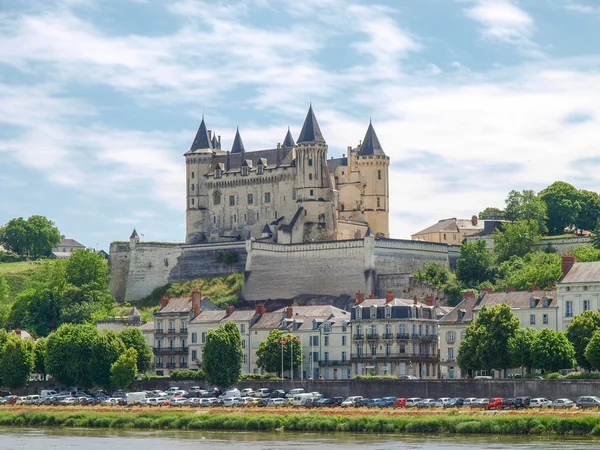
x: 359, y: 336
x: 170, y: 365
x: 158, y: 365
x: 159, y: 331
x: 405, y: 336
x: 183, y: 330
x: 372, y: 336
x: 164, y: 350
x: 424, y: 337
x: 387, y: 335
x: 183, y: 366
x: 333, y: 362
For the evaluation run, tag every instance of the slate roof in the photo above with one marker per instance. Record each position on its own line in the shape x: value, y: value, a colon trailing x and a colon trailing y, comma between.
x: 517, y: 299
x: 289, y: 140
x: 289, y: 227
x: 202, y: 140
x: 266, y: 229
x: 370, y: 144
x: 149, y: 326
x: 68, y: 242
x: 134, y: 235
x: 184, y: 304
x: 243, y: 314
x: 209, y: 316
x: 310, y: 130
x: 304, y: 314
x: 238, y: 145
x: 582, y: 272
x: 452, y: 226
x: 270, y: 159
x: 334, y: 163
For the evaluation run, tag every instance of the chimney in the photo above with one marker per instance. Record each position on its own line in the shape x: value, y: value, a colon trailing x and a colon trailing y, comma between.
x: 260, y: 309
x: 219, y: 141
x: 229, y: 310
x: 18, y: 331
x: 568, y: 260
x: 165, y: 301
x: 196, y: 302
x: 371, y: 295
x: 508, y: 290
x: 486, y: 290
x: 474, y: 220
x: 210, y: 135
x: 289, y: 312
x: 415, y: 300
x: 389, y: 296
x: 533, y: 287
x: 468, y: 294
x: 429, y: 300
x: 360, y: 297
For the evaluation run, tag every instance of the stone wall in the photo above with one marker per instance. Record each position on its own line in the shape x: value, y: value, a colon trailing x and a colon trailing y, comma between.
x: 405, y: 286
x: 556, y: 245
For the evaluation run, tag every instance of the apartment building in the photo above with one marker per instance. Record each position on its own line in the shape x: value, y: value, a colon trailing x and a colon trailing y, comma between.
x: 578, y: 289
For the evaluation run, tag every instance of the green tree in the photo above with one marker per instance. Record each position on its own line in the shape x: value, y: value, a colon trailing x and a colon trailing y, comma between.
x: 133, y: 338
x: 516, y: 239
x: 124, y: 370
x: 16, y: 362
x: 491, y: 213
x: 3, y: 339
x: 580, y: 332
x: 595, y: 238
x: 40, y: 350
x: 589, y: 210
x: 107, y: 347
x: 86, y: 267
x: 440, y: 277
x: 486, y: 343
x: 552, y: 351
x: 475, y: 264
x: 222, y: 355
x: 4, y: 289
x: 68, y: 355
x: 14, y: 236
x: 592, y: 351
x: 537, y: 268
x: 42, y: 235
x: 270, y: 352
x: 4, y: 315
x: 526, y: 205
x: 562, y: 206
x: 519, y: 347
x: 586, y: 254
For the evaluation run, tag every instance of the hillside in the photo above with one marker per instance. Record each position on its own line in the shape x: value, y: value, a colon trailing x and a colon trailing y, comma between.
x: 17, y: 274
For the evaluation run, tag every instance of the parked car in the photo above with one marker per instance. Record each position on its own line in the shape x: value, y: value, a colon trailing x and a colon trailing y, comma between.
x: 426, y: 403
x: 522, y: 402
x: 456, y: 402
x: 371, y: 402
x: 412, y: 402
x: 247, y: 392
x: 399, y: 402
x: 337, y: 401
x: 351, y: 401
x: 178, y: 401
x: 470, y: 400
x: 262, y: 393
x: 69, y: 401
x: 275, y: 402
x: 386, y: 402
x: 480, y: 403
x: 278, y: 394
x: 172, y: 390
x: 408, y: 377
x: 323, y: 402
x: 33, y: 400
x: 587, y: 402
x: 562, y: 403
x: 250, y: 401
x: 442, y: 402
x: 508, y: 403
x: 540, y: 402
x: 296, y: 391
x: 495, y: 403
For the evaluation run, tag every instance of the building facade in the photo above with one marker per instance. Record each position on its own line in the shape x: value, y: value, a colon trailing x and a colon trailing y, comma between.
x: 453, y: 231
x: 578, y: 289
x: 289, y: 194
x: 392, y: 336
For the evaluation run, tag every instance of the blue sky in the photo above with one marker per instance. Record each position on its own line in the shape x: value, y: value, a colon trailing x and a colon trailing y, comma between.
x: 470, y: 98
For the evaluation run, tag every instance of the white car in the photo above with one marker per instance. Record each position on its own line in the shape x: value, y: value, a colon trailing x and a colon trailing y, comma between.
x: 69, y: 401
x: 480, y: 403
x: 247, y: 392
x: 540, y: 403
x: 262, y: 393
x: 408, y: 377
x: 107, y: 402
x: 469, y: 400
x: 172, y: 390
x: 275, y: 401
x: 178, y: 401
x: 351, y: 401
x: 293, y: 392
x: 412, y: 402
x: 442, y: 402
x: 231, y: 401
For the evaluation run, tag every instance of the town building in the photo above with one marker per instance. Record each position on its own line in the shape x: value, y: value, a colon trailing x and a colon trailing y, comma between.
x: 453, y: 231
x: 133, y: 319
x: 578, y: 288
x: 291, y: 193
x: 65, y: 247
x: 394, y: 336
x: 535, y: 308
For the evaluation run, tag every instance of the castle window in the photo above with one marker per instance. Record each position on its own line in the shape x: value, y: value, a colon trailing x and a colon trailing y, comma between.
x: 244, y: 170
x: 192, y: 201
x: 245, y: 218
x: 193, y: 186
x: 378, y: 202
x: 257, y: 216
x: 217, y: 198
x: 192, y: 174
x: 218, y: 172
x: 267, y: 197
x: 232, y: 200
x: 259, y: 169
x: 235, y: 217
x: 312, y: 193
x: 250, y: 199
x: 379, y: 174
x: 310, y: 176
x: 310, y: 161
x: 342, y: 207
x: 215, y: 219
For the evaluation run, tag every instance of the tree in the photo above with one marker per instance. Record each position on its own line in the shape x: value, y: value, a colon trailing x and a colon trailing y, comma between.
x: 586, y: 254
x: 86, y: 267
x: 520, y: 348
x: 106, y: 349
x: 14, y: 236
x: 16, y: 362
x: 133, y: 338
x: 124, y: 370
x: 589, y: 210
x: 42, y: 235
x: 491, y: 213
x: 475, y: 264
x: 4, y: 289
x: 440, y: 277
x: 537, y: 268
x: 516, y: 239
x: 526, y: 205
x: 562, y: 206
x: 552, y: 351
x: 275, y: 347
x: 595, y: 237
x: 3, y: 339
x: 580, y: 332
x: 486, y: 343
x: 592, y: 351
x: 222, y: 355
x: 68, y: 355
x: 40, y: 350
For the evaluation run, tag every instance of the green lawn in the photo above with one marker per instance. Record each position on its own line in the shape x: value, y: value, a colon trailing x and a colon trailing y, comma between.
x: 17, y: 274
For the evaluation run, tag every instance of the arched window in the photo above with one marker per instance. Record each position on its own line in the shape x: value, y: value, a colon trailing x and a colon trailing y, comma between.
x: 217, y: 198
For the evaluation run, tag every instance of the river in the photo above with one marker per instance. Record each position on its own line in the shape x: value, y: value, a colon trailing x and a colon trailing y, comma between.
x: 61, y: 438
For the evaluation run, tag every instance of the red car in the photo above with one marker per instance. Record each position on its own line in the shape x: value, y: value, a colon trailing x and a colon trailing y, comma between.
x: 399, y: 402
x: 495, y: 403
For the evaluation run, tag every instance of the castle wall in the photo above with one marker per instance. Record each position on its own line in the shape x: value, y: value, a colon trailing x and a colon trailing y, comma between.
x: 405, y: 286
x: 119, y: 268
x: 555, y: 245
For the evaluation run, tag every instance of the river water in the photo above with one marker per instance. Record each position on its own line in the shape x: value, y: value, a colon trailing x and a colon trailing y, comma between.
x: 59, y: 438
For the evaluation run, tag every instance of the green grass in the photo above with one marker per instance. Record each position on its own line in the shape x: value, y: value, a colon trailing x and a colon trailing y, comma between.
x: 583, y: 425
x: 17, y: 274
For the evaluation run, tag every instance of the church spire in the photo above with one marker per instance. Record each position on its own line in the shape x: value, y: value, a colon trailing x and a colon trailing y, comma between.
x: 310, y: 130
x: 202, y: 140
x: 288, y: 142
x: 370, y: 144
x: 238, y: 145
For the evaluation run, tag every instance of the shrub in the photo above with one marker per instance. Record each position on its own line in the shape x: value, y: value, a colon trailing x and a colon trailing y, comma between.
x: 374, y: 377
x: 178, y: 374
x: 256, y: 376
x: 553, y: 376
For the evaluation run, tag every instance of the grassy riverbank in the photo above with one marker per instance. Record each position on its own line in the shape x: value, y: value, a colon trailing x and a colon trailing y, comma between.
x: 450, y: 423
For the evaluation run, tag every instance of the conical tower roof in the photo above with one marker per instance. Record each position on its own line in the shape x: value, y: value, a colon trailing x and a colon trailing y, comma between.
x: 238, y: 145
x: 201, y: 141
x: 310, y: 130
x: 288, y: 142
x: 370, y: 144
x: 134, y: 235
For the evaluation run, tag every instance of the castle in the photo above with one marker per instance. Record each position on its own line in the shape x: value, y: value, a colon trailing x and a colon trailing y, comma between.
x: 288, y: 194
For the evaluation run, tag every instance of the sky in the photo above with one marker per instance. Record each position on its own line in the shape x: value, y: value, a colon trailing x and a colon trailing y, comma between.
x: 99, y: 100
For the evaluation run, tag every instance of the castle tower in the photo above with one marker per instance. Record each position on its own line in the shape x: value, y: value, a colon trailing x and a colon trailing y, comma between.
x: 373, y: 165
x: 198, y: 162
x: 313, y: 184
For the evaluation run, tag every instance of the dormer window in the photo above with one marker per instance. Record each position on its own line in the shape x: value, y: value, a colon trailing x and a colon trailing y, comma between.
x: 344, y: 327
x: 259, y: 169
x: 218, y: 172
x: 315, y: 325
x: 388, y: 312
x: 374, y: 312
x: 460, y: 314
x: 244, y: 171
x: 546, y: 302
x: 327, y: 327
x: 533, y: 301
